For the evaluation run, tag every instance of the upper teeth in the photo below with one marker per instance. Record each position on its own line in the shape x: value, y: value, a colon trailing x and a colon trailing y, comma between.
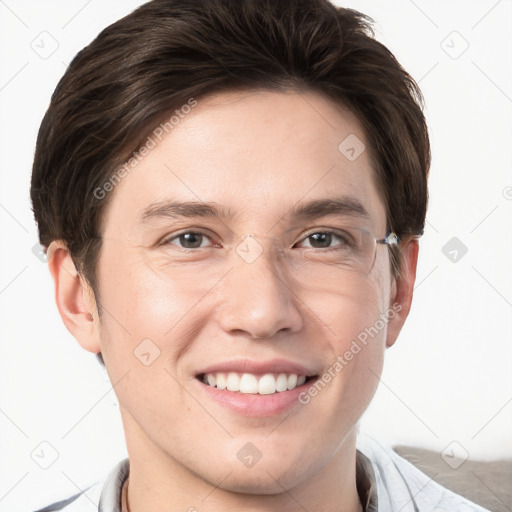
x: 249, y: 383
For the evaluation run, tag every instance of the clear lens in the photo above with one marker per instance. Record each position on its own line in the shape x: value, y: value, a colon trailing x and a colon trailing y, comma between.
x: 324, y: 260
x: 354, y: 250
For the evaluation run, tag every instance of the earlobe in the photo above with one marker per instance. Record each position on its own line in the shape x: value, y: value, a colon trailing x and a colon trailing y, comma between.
x: 73, y: 297
x: 402, y: 291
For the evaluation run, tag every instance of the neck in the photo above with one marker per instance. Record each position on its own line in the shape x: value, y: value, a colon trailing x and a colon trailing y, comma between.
x: 159, y: 482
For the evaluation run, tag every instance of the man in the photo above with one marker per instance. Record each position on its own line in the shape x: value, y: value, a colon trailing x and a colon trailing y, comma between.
x: 231, y: 193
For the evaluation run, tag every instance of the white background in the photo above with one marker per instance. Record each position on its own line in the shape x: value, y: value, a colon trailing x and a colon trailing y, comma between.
x: 448, y: 378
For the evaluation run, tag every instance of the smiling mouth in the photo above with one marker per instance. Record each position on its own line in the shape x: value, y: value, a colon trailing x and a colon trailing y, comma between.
x: 250, y: 383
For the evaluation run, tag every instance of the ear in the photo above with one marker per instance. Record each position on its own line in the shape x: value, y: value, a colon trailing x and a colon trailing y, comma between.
x: 402, y: 291
x: 74, y: 297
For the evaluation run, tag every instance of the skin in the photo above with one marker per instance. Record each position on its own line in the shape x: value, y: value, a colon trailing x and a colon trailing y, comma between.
x: 259, y: 154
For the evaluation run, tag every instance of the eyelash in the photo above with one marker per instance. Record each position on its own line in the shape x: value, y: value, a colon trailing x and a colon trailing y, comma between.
x: 167, y: 241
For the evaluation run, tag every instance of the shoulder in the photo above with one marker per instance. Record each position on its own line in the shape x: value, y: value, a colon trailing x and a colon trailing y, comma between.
x: 402, y: 486
x: 105, y: 494
x: 80, y: 502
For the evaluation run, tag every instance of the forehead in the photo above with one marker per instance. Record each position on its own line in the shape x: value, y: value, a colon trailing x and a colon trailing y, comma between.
x: 255, y: 154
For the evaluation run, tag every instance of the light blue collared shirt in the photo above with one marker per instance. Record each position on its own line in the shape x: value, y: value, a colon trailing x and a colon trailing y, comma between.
x: 386, y: 482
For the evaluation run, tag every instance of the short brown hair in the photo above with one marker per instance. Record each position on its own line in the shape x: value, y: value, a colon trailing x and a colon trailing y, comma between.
x: 141, y: 68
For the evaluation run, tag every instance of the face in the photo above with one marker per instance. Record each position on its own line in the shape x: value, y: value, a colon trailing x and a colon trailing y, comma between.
x: 188, y: 297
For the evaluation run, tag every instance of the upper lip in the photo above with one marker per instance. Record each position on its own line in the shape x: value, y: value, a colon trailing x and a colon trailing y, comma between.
x: 259, y: 367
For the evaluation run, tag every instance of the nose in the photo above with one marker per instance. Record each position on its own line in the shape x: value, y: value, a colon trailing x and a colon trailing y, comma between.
x: 257, y: 300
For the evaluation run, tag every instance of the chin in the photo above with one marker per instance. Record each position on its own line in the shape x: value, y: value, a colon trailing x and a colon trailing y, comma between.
x: 264, y: 482
x: 269, y: 476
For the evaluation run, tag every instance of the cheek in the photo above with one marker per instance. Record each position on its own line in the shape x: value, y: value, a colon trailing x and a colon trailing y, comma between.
x: 144, y: 311
x: 150, y: 323
x: 348, y: 312
x: 355, y: 334
x: 146, y: 297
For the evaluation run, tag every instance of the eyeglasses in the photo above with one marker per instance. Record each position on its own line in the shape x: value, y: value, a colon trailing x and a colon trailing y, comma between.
x: 349, y: 248
x: 325, y: 260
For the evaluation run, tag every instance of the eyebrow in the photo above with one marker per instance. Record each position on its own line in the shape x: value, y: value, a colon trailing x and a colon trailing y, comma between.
x: 312, y: 209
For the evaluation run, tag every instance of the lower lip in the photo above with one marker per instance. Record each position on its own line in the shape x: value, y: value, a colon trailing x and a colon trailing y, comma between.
x: 250, y: 404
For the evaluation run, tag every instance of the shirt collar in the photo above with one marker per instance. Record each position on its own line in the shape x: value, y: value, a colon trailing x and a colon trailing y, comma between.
x: 110, y: 499
x: 366, y: 483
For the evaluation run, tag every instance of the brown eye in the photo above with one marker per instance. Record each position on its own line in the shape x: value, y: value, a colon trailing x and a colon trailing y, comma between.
x: 324, y: 240
x: 320, y: 240
x: 189, y: 240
